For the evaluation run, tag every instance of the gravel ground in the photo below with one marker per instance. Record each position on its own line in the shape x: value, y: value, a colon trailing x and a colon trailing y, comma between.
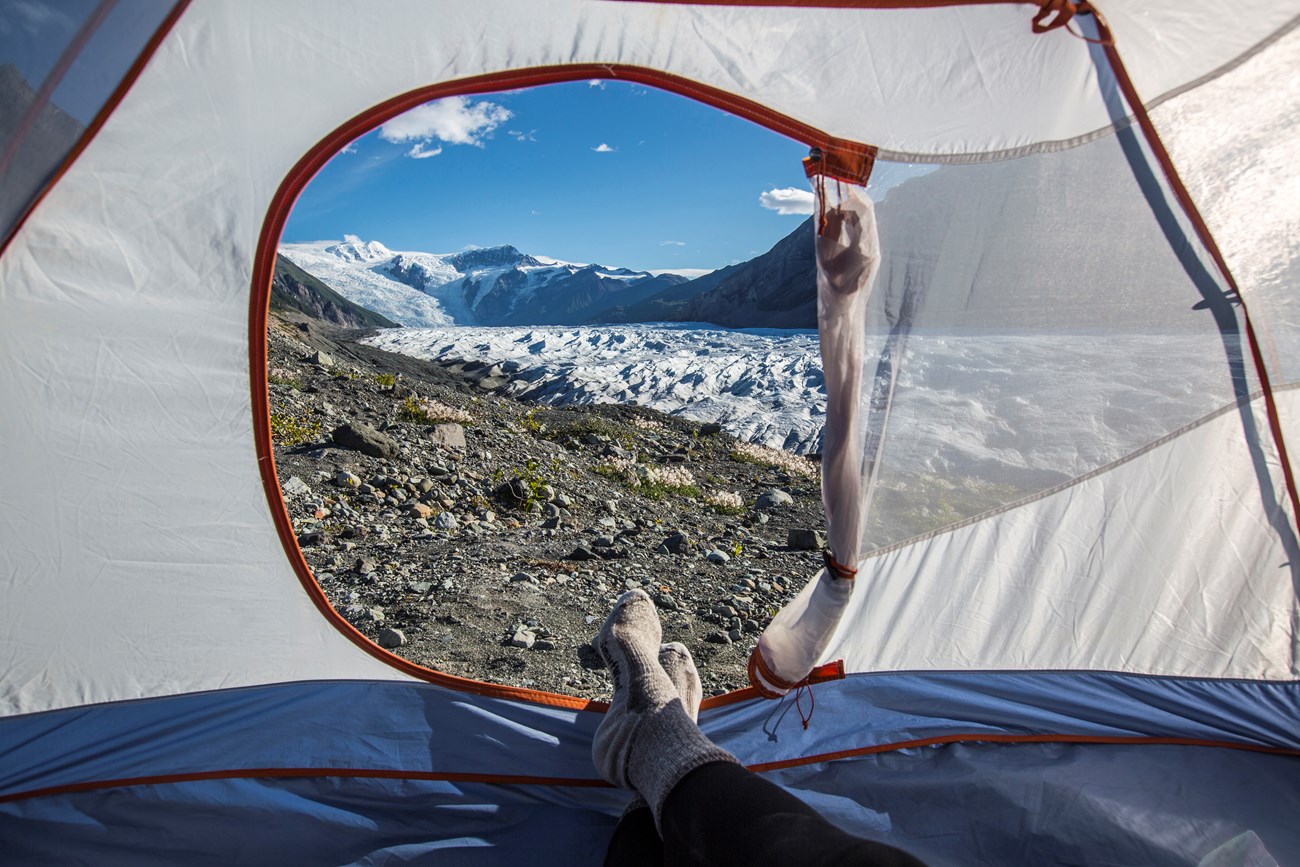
x: 483, y: 537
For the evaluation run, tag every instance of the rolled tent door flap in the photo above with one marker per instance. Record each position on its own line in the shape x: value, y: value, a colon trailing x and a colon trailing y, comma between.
x: 848, y: 257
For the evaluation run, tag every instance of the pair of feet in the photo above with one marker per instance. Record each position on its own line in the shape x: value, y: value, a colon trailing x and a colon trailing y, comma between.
x: 648, y: 739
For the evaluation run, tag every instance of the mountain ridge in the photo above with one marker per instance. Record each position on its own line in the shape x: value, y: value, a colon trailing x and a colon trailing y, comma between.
x: 484, y: 286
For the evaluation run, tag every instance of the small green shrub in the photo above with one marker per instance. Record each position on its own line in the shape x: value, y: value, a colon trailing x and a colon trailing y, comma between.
x: 289, y: 430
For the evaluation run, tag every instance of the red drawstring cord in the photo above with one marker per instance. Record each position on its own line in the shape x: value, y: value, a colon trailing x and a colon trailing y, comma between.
x: 798, y: 702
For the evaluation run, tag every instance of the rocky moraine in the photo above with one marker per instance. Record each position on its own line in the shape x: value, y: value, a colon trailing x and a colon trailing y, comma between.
x: 487, y: 538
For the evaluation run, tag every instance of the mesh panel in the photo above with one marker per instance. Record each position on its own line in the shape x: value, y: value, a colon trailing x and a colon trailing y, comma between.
x: 59, y: 65
x: 1034, y: 320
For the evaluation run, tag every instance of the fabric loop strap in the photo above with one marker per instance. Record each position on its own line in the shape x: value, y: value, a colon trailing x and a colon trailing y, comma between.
x: 836, y: 569
x: 1053, y: 14
x: 1058, y: 11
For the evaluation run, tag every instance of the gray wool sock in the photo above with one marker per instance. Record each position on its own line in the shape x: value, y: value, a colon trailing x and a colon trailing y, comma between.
x: 677, y: 663
x: 648, y: 740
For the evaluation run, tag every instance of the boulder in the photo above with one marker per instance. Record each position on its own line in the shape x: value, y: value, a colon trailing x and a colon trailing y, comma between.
x: 296, y: 487
x: 677, y: 543
x: 391, y: 637
x: 448, y: 434
x: 805, y: 540
x: 774, y: 498
x: 361, y: 437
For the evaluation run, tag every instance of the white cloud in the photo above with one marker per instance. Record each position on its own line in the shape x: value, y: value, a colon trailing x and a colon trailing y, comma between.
x: 417, y: 152
x: 454, y: 120
x: 520, y: 135
x: 350, y: 148
x: 596, y: 82
x: 603, y: 148
x: 787, y: 200
x: 351, y: 239
x: 672, y: 243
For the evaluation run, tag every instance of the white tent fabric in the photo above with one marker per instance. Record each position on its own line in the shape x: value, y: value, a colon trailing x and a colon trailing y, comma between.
x: 140, y: 559
x: 1124, y: 570
x: 173, y: 191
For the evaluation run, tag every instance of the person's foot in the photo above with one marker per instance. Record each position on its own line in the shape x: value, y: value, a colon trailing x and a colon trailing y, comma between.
x: 629, y: 643
x: 680, y: 668
x: 648, y: 740
x: 677, y: 663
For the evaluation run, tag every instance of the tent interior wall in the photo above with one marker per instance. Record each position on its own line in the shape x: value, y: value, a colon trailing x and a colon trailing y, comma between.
x: 1075, y: 631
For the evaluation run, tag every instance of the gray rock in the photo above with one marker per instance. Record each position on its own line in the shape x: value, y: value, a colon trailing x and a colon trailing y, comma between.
x: 344, y: 479
x: 365, y: 566
x: 391, y: 637
x: 805, y: 540
x: 321, y: 359
x: 563, y: 500
x: 581, y: 553
x: 718, y: 638
x: 520, y: 577
x: 514, y: 491
x: 306, y: 540
x: 543, y: 644
x: 523, y: 637
x: 716, y: 556
x: 774, y: 498
x: 361, y: 437
x: 446, y: 521
x: 448, y: 434
x: 296, y: 487
x: 710, y: 428
x: 603, y: 542
x: 733, y: 634
x: 677, y: 543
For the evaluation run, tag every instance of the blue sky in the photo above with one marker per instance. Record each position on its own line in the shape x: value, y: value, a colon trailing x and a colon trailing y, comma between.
x: 608, y: 172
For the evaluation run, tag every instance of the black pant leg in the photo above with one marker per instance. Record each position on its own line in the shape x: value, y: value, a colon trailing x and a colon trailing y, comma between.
x: 635, y: 842
x: 721, y: 814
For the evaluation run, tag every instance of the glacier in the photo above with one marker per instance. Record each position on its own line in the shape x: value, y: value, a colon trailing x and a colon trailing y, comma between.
x: 762, y: 385
x: 1028, y: 411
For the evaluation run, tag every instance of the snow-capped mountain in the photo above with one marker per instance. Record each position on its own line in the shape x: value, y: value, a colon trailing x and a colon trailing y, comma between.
x: 485, y: 286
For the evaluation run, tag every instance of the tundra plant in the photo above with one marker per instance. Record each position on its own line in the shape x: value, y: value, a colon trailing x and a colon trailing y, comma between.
x: 652, y: 482
x: 726, y: 502
x: 755, y: 454
x: 426, y: 410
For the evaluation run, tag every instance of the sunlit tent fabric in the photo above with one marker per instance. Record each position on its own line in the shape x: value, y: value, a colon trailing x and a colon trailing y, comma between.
x: 1073, y: 635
